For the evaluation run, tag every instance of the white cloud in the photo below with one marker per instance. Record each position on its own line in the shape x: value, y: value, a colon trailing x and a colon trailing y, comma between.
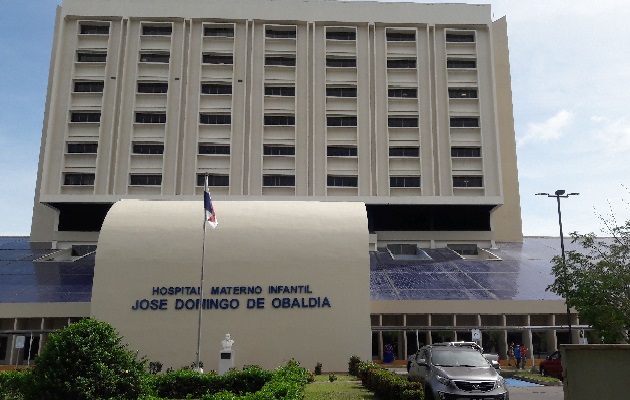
x: 614, y: 135
x: 551, y: 129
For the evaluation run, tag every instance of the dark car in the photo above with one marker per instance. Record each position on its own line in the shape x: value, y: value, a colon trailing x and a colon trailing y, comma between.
x: 552, y: 366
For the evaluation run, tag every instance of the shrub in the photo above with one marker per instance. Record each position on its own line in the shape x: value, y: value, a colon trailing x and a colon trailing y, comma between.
x: 87, y: 360
x: 14, y: 384
x: 318, y: 369
x: 387, y: 385
x: 353, y: 365
x: 332, y: 377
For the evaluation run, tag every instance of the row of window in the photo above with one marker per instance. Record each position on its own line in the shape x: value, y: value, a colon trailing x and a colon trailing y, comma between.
x: 87, y: 179
x: 269, y: 150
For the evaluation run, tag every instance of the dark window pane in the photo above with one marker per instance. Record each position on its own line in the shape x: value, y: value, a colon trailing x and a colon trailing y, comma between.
x: 216, y: 88
x: 279, y: 91
x: 91, y: 57
x: 404, y: 152
x: 218, y: 59
x: 279, y: 150
x: 341, y: 35
x: 283, y: 61
x: 278, y: 180
x: 341, y: 92
x: 341, y: 151
x: 461, y: 64
x: 142, y: 148
x: 403, y: 92
x: 157, y: 30
x: 151, y: 118
x: 145, y: 180
x: 78, y: 179
x: 402, y: 63
x: 467, y: 181
x: 218, y: 31
x: 342, y: 181
x: 465, y: 151
x: 462, y: 93
x: 401, y: 36
x: 85, y: 117
x: 213, y: 180
x: 460, y: 37
x: 87, y: 29
x: 155, y: 57
x: 89, y: 86
x: 214, y: 149
x: 341, y: 121
x: 215, y: 119
x: 152, y: 87
x: 404, y: 181
x: 341, y: 62
x: 464, y: 122
x: 82, y: 148
x: 279, y: 120
x: 280, y: 34
x: 402, y: 122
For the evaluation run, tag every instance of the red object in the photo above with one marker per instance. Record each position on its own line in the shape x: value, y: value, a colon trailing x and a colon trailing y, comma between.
x: 551, y: 366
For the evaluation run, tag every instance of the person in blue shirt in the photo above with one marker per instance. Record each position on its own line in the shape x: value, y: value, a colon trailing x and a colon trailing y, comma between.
x: 517, y: 355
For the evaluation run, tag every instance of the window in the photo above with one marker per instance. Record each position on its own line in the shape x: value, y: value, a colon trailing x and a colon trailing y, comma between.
x: 341, y: 121
x: 82, y: 148
x: 465, y: 151
x: 145, y: 180
x: 404, y: 152
x: 404, y: 181
x: 341, y: 35
x: 342, y: 181
x: 148, y: 148
x: 467, y: 181
x: 78, y: 179
x: 462, y: 93
x: 80, y: 116
x: 403, y: 93
x: 341, y: 151
x: 279, y: 91
x: 94, y: 29
x: 216, y: 88
x: 152, y: 87
x: 226, y: 59
x: 279, y: 120
x: 155, y: 57
x: 341, y: 92
x: 461, y: 64
x: 89, y: 86
x: 278, y: 180
x: 218, y: 31
x: 464, y: 122
x: 280, y: 34
x: 401, y: 63
x: 157, y: 30
x: 4, y: 342
x: 213, y: 180
x: 401, y: 36
x: 215, y: 119
x: 341, y: 62
x: 91, y: 56
x: 214, y: 149
x: 460, y: 37
x: 150, y: 118
x: 279, y: 150
x: 402, y: 122
x: 283, y: 61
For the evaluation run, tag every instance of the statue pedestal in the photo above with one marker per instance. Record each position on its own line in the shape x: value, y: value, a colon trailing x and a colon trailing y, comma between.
x: 226, y: 361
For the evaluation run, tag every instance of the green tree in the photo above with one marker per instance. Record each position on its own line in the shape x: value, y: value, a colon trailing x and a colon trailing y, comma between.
x: 87, y: 360
x: 596, y: 280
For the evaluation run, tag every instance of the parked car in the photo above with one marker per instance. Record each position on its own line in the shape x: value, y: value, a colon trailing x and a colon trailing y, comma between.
x: 551, y: 366
x: 455, y: 372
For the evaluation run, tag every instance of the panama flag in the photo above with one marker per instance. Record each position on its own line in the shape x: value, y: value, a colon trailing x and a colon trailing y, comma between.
x: 210, y: 217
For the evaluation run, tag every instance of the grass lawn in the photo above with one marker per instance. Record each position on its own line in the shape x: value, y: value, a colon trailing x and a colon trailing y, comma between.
x: 346, y: 387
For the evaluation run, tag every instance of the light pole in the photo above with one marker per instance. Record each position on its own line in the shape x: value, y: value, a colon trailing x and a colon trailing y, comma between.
x: 558, y: 195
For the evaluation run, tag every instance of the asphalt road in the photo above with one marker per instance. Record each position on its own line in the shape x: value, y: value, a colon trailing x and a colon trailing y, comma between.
x: 536, y: 393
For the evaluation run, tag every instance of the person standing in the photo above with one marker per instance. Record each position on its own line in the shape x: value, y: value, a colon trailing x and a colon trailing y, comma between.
x: 523, y: 351
x: 510, y: 354
x: 517, y: 355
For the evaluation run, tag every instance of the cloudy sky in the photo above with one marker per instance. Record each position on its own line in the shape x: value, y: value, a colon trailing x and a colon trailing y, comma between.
x: 570, y: 64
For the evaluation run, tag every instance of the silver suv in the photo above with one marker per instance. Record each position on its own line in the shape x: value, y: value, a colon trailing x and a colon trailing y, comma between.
x: 454, y: 372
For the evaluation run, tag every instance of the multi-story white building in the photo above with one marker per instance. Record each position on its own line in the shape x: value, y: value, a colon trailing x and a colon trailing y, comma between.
x: 406, y: 107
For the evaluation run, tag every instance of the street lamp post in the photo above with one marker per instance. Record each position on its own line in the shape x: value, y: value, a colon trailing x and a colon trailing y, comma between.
x: 558, y: 195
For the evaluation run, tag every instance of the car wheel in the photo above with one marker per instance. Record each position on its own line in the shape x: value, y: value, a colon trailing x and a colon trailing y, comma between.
x: 542, y: 371
x: 428, y: 393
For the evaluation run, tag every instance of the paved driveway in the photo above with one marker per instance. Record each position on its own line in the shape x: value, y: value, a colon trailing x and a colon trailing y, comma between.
x: 536, y: 393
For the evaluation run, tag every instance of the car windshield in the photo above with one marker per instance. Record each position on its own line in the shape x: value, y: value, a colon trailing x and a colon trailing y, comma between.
x: 452, y: 358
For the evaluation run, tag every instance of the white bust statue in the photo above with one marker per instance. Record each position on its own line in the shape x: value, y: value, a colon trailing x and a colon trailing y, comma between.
x: 227, y: 343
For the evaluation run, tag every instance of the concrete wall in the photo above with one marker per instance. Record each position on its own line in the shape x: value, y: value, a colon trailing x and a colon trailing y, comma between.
x: 596, y: 371
x: 154, y: 244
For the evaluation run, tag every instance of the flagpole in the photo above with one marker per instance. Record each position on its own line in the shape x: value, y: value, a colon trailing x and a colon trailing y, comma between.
x: 203, y: 259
